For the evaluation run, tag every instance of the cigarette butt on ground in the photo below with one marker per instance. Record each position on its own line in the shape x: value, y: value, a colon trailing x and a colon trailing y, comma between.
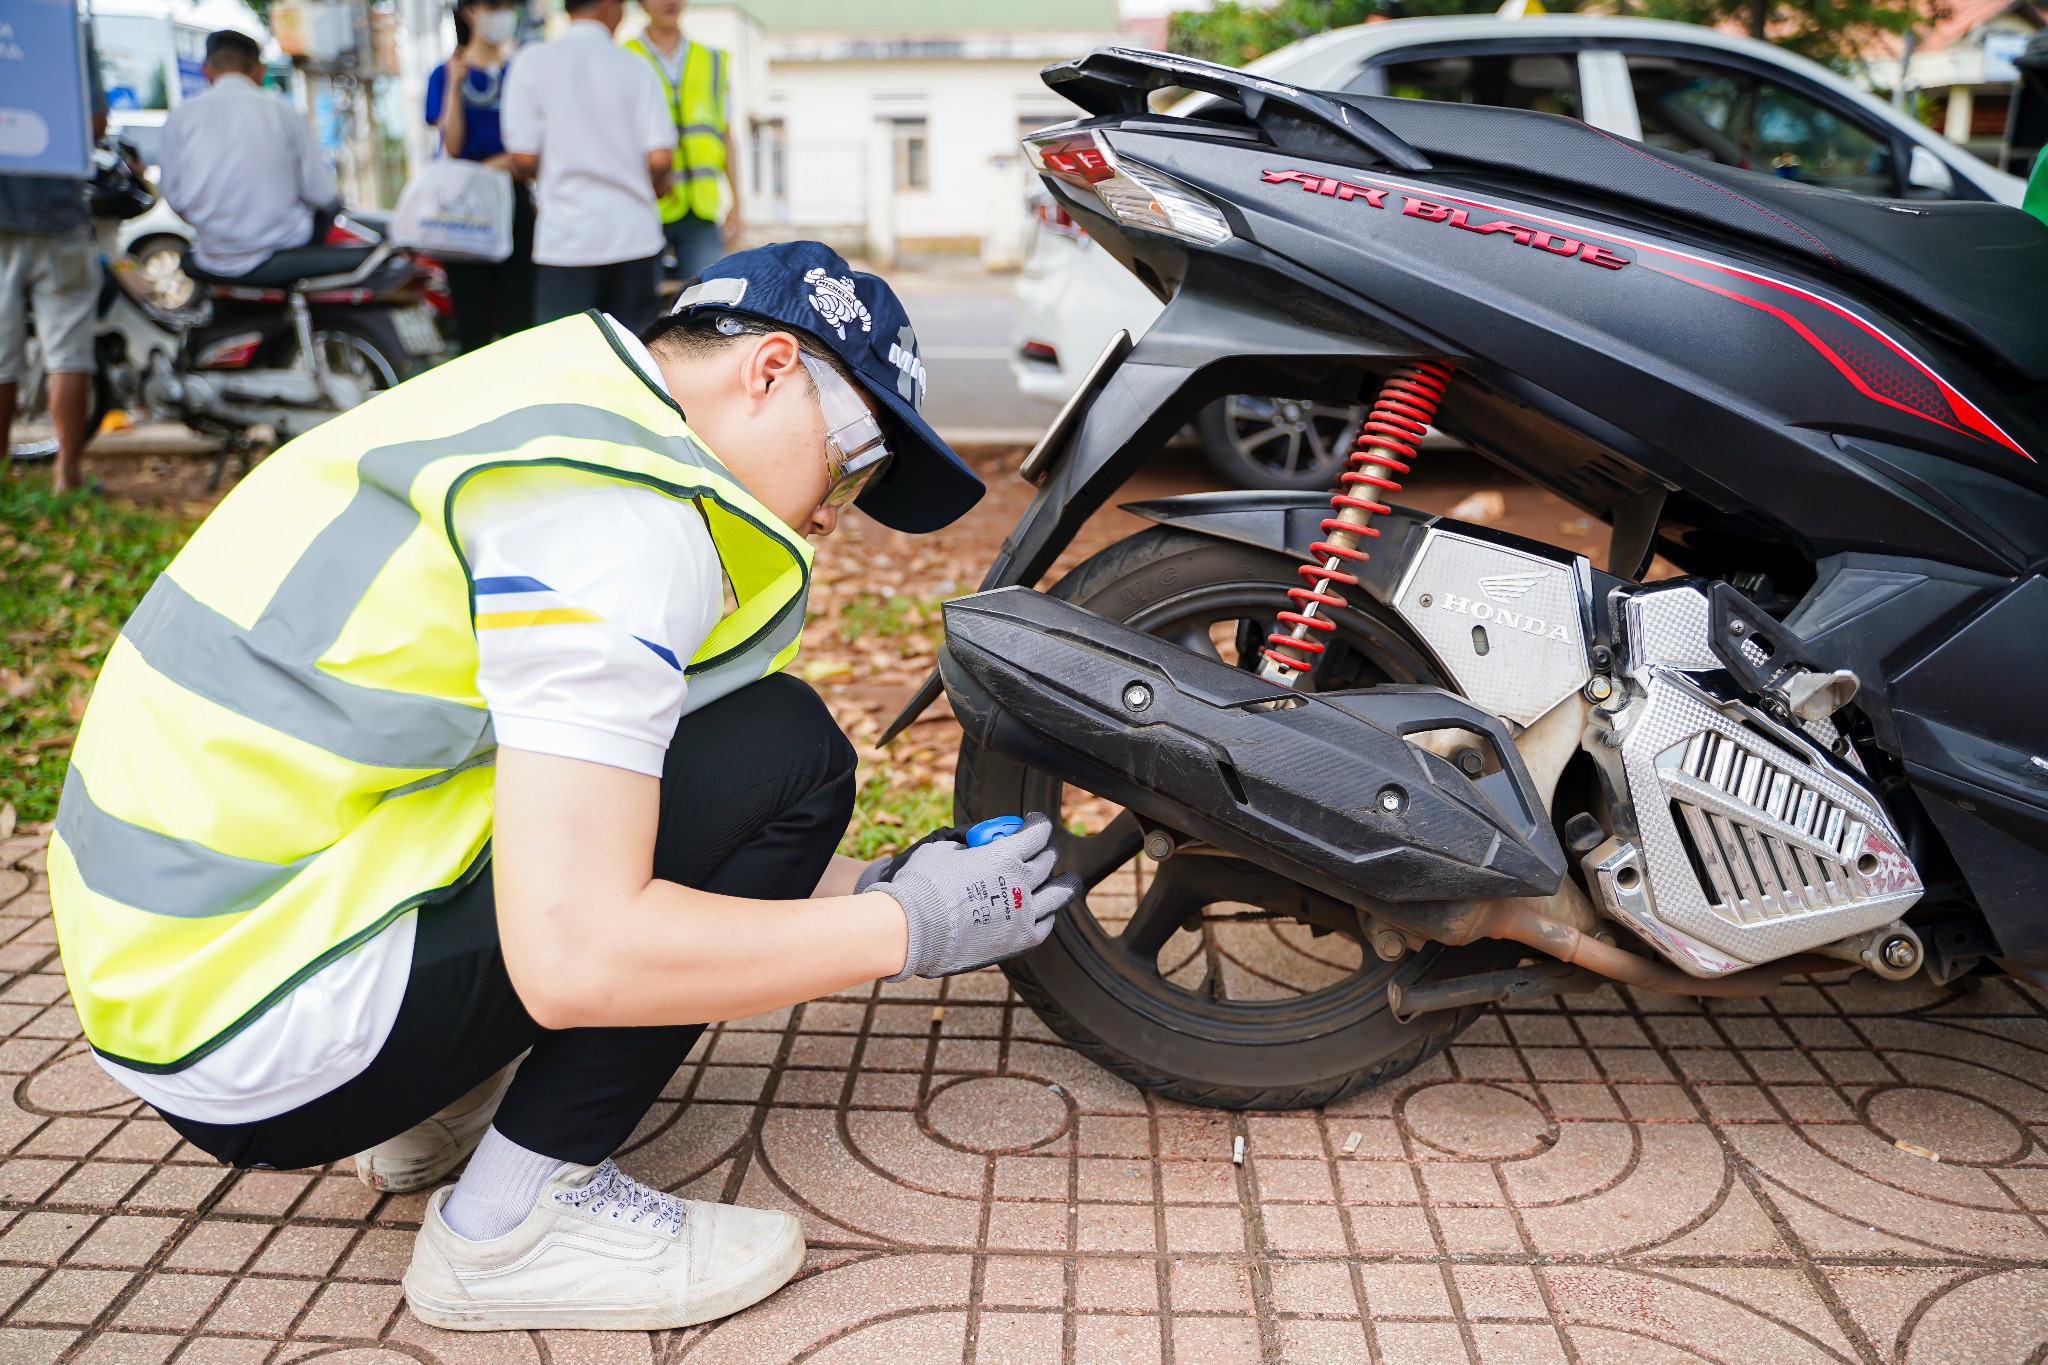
x: 1915, y: 1149
x: 938, y: 1013
x: 1237, y: 1151
x: 1351, y: 1143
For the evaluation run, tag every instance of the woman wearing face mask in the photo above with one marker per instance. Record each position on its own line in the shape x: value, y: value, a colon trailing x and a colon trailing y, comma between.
x: 491, y: 300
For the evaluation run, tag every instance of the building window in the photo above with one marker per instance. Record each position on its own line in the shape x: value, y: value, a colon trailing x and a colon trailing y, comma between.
x: 771, y: 151
x: 913, y: 170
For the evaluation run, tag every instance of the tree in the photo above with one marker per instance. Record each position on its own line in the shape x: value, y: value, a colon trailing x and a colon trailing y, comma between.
x: 1236, y: 31
x: 1835, y: 32
x: 1830, y: 31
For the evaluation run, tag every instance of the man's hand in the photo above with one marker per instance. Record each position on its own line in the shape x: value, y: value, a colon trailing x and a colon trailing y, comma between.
x: 729, y: 231
x: 969, y: 907
x: 660, y: 166
x: 592, y: 939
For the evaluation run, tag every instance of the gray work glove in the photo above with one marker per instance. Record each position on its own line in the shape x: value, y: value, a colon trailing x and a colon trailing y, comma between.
x: 969, y: 907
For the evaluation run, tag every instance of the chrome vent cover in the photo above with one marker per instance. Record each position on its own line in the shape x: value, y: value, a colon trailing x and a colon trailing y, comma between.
x: 1754, y: 844
x: 1769, y: 843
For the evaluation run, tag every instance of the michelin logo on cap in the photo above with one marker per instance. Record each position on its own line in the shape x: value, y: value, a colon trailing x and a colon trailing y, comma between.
x: 836, y: 301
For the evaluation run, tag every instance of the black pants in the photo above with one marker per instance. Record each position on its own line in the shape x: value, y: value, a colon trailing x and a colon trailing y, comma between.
x: 625, y: 289
x: 494, y: 299
x: 755, y: 795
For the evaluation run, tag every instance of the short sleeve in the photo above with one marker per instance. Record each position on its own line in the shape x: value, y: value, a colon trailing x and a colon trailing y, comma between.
x: 520, y: 120
x: 591, y: 597
x: 658, y: 130
x: 437, y: 81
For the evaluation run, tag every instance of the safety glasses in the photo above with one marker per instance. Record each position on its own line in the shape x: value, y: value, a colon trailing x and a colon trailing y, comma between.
x: 855, y: 448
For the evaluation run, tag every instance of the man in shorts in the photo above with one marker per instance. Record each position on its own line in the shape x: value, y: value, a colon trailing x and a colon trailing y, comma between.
x: 50, y: 266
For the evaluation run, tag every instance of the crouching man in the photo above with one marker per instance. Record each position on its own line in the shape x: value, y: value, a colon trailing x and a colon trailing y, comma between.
x: 446, y: 785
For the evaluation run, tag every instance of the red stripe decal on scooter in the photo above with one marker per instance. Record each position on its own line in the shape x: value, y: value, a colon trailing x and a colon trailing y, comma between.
x: 1907, y: 390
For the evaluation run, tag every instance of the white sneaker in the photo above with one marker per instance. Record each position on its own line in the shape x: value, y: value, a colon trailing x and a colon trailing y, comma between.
x: 425, y: 1152
x: 601, y: 1250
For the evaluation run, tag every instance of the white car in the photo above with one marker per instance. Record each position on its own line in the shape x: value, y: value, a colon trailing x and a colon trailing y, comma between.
x: 1677, y: 87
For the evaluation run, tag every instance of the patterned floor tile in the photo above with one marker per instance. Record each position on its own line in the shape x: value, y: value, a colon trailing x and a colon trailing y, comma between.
x: 1613, y: 1179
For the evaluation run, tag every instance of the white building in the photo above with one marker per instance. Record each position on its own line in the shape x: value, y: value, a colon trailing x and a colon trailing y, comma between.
x: 1963, y: 66
x: 892, y: 125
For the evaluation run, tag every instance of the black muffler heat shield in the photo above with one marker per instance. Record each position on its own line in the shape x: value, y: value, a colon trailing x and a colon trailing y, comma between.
x: 1322, y: 789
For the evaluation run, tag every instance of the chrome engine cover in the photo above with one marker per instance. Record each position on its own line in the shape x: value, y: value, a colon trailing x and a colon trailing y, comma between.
x: 1750, y: 842
x: 1508, y: 625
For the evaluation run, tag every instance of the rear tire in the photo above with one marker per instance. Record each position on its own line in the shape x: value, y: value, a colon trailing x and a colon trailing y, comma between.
x: 1241, y: 1038
x: 365, y: 345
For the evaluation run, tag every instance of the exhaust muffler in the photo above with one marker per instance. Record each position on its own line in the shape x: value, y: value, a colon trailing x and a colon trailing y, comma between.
x: 1329, y: 790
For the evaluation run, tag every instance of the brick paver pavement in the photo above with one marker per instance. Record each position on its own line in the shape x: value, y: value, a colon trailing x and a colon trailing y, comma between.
x: 1624, y: 1179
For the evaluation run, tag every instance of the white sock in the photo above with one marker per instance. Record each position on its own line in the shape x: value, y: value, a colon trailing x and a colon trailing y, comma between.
x: 499, y: 1188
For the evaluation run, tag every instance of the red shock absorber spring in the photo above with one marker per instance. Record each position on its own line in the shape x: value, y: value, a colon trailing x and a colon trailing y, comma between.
x: 1385, y: 446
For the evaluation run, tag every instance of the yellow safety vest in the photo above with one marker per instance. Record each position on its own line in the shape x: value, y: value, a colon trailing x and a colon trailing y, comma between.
x: 698, y: 109
x: 286, y: 749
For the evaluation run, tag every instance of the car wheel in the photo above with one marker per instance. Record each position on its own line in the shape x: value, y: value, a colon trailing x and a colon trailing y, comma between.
x: 161, y: 263
x: 1289, y: 443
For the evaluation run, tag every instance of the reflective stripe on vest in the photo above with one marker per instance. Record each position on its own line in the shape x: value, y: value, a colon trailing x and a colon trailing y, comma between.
x: 697, y: 108
x: 286, y: 749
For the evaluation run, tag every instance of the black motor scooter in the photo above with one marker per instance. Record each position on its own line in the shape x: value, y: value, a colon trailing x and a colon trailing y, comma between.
x: 1484, y: 767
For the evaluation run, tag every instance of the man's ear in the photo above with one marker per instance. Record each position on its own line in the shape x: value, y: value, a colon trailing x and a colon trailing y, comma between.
x: 775, y: 359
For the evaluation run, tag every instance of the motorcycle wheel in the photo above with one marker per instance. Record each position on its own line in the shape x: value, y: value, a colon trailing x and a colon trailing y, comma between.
x: 366, y: 350
x: 1211, y: 980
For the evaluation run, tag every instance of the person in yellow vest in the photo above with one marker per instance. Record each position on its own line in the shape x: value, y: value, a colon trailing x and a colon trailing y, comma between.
x: 694, y: 79
x: 446, y: 784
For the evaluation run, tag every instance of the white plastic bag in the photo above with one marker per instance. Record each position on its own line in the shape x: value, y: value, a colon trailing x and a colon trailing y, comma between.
x: 456, y: 211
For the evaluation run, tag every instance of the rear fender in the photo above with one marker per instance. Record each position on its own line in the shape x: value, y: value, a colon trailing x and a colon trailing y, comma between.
x: 1201, y: 347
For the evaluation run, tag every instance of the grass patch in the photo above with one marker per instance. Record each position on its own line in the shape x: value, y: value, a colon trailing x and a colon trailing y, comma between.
x: 891, y: 813
x: 72, y: 568
x: 890, y: 618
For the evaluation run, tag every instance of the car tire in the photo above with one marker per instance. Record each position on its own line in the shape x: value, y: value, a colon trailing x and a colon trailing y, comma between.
x: 160, y: 259
x: 1278, y: 443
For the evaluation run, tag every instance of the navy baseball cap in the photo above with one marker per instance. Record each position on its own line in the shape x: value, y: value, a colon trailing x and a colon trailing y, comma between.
x: 808, y: 285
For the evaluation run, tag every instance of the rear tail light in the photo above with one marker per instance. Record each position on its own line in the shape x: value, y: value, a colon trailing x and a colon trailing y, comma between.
x: 230, y: 353
x: 1136, y: 196
x: 1040, y: 353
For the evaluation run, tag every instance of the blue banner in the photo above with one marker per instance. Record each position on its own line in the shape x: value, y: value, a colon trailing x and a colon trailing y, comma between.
x: 45, y: 128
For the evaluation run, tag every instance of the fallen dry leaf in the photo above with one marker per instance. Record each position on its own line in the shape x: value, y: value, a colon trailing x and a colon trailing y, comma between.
x: 1487, y: 505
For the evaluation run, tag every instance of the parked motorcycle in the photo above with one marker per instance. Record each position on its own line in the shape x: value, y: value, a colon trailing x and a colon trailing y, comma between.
x: 312, y: 332
x: 1492, y: 769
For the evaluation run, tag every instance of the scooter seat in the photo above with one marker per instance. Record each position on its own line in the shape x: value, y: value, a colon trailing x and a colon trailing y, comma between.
x: 286, y: 268
x: 1973, y: 266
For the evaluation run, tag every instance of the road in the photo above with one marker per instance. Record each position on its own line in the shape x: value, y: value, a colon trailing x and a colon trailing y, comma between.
x: 962, y: 315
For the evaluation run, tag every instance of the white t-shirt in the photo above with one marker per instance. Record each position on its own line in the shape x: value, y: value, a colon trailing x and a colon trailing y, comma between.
x: 240, y: 166
x: 590, y: 596
x: 591, y: 111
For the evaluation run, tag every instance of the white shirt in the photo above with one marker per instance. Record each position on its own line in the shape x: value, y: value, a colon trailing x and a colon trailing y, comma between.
x: 671, y: 60
x: 590, y: 596
x: 239, y: 165
x: 591, y: 111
